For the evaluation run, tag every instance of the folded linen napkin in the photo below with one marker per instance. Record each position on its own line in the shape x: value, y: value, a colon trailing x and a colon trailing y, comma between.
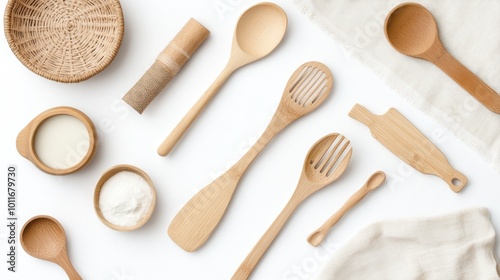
x: 454, y: 246
x: 469, y: 30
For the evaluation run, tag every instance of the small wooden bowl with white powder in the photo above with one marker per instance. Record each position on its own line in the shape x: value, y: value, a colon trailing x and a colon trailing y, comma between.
x: 124, y: 198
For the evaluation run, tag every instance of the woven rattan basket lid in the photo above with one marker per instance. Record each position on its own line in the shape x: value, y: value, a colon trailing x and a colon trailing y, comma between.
x: 64, y: 40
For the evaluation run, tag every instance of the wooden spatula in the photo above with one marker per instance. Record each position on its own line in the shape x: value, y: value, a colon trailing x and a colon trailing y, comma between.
x: 404, y: 140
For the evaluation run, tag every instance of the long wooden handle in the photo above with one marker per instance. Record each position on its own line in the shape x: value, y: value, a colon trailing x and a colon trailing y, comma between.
x: 68, y: 267
x: 469, y: 81
x: 318, y: 235
x: 253, y: 258
x: 196, y: 221
x: 172, y: 139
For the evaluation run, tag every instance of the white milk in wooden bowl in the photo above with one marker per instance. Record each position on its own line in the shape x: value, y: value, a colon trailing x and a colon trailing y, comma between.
x: 58, y: 141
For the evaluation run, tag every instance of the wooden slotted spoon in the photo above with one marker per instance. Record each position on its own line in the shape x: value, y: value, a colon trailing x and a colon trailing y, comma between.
x: 306, y: 89
x: 325, y: 162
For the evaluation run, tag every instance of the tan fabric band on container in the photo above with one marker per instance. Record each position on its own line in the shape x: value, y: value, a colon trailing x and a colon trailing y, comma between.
x: 166, y: 66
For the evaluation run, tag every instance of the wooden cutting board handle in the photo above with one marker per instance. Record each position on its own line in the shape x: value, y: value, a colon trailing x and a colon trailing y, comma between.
x: 404, y: 140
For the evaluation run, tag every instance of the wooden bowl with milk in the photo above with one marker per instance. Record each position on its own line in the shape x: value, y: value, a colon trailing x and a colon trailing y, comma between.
x: 59, y: 141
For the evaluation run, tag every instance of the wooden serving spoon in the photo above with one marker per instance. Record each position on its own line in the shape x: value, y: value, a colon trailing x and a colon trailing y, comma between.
x: 375, y: 180
x: 411, y: 29
x: 325, y: 162
x: 306, y: 89
x: 43, y: 237
x: 259, y: 31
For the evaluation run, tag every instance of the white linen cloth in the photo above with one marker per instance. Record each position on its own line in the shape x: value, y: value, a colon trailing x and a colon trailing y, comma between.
x: 455, y: 246
x: 469, y: 30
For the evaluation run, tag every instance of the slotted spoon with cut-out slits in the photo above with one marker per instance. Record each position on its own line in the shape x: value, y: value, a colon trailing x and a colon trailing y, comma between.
x: 306, y: 89
x: 324, y: 163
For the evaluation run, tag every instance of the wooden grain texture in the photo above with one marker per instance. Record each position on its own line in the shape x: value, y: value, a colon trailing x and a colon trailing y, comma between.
x: 306, y: 89
x: 258, y: 32
x: 108, y: 174
x: 43, y: 237
x: 375, y: 180
x: 25, y: 142
x: 166, y: 65
x: 325, y: 162
x: 404, y: 140
x: 65, y: 41
x: 411, y: 29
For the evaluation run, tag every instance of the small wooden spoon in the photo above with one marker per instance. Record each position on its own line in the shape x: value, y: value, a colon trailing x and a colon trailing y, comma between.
x: 411, y: 29
x: 259, y: 31
x: 43, y: 237
x: 375, y: 180
x: 325, y: 162
x: 306, y: 89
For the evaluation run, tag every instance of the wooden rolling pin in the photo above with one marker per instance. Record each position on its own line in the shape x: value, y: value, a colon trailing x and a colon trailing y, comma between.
x: 166, y: 66
x: 404, y: 140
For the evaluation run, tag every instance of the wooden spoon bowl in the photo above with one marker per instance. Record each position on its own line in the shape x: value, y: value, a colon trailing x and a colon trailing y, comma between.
x: 411, y: 30
x: 43, y: 237
x: 260, y: 29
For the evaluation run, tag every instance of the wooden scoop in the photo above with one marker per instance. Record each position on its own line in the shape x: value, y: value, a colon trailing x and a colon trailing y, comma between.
x: 306, y: 89
x: 411, y: 29
x: 43, y: 237
x: 375, y: 180
x: 325, y: 162
x: 258, y: 32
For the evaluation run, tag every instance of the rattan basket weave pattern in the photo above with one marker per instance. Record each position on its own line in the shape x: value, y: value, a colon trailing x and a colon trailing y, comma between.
x: 64, y: 40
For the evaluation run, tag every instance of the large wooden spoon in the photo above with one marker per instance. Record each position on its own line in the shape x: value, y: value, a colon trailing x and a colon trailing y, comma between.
x: 411, y: 29
x: 325, y: 162
x: 43, y: 237
x: 258, y: 32
x: 375, y: 180
x: 306, y: 89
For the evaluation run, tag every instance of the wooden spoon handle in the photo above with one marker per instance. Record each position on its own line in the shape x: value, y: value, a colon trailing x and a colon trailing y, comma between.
x: 318, y: 235
x: 469, y: 81
x: 66, y: 264
x: 253, y: 258
x: 174, y: 136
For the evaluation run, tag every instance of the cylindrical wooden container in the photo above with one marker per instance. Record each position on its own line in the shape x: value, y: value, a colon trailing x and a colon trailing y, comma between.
x: 166, y: 66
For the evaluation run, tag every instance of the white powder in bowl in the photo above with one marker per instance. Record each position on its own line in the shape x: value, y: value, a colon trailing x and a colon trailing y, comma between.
x: 125, y: 199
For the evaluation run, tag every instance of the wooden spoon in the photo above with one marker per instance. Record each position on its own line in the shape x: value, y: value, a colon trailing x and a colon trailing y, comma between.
x: 43, y: 237
x: 325, y: 162
x: 258, y: 32
x: 306, y: 89
x: 375, y: 180
x: 411, y: 29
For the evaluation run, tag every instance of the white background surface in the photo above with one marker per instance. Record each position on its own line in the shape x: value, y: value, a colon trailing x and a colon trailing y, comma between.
x: 228, y: 126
